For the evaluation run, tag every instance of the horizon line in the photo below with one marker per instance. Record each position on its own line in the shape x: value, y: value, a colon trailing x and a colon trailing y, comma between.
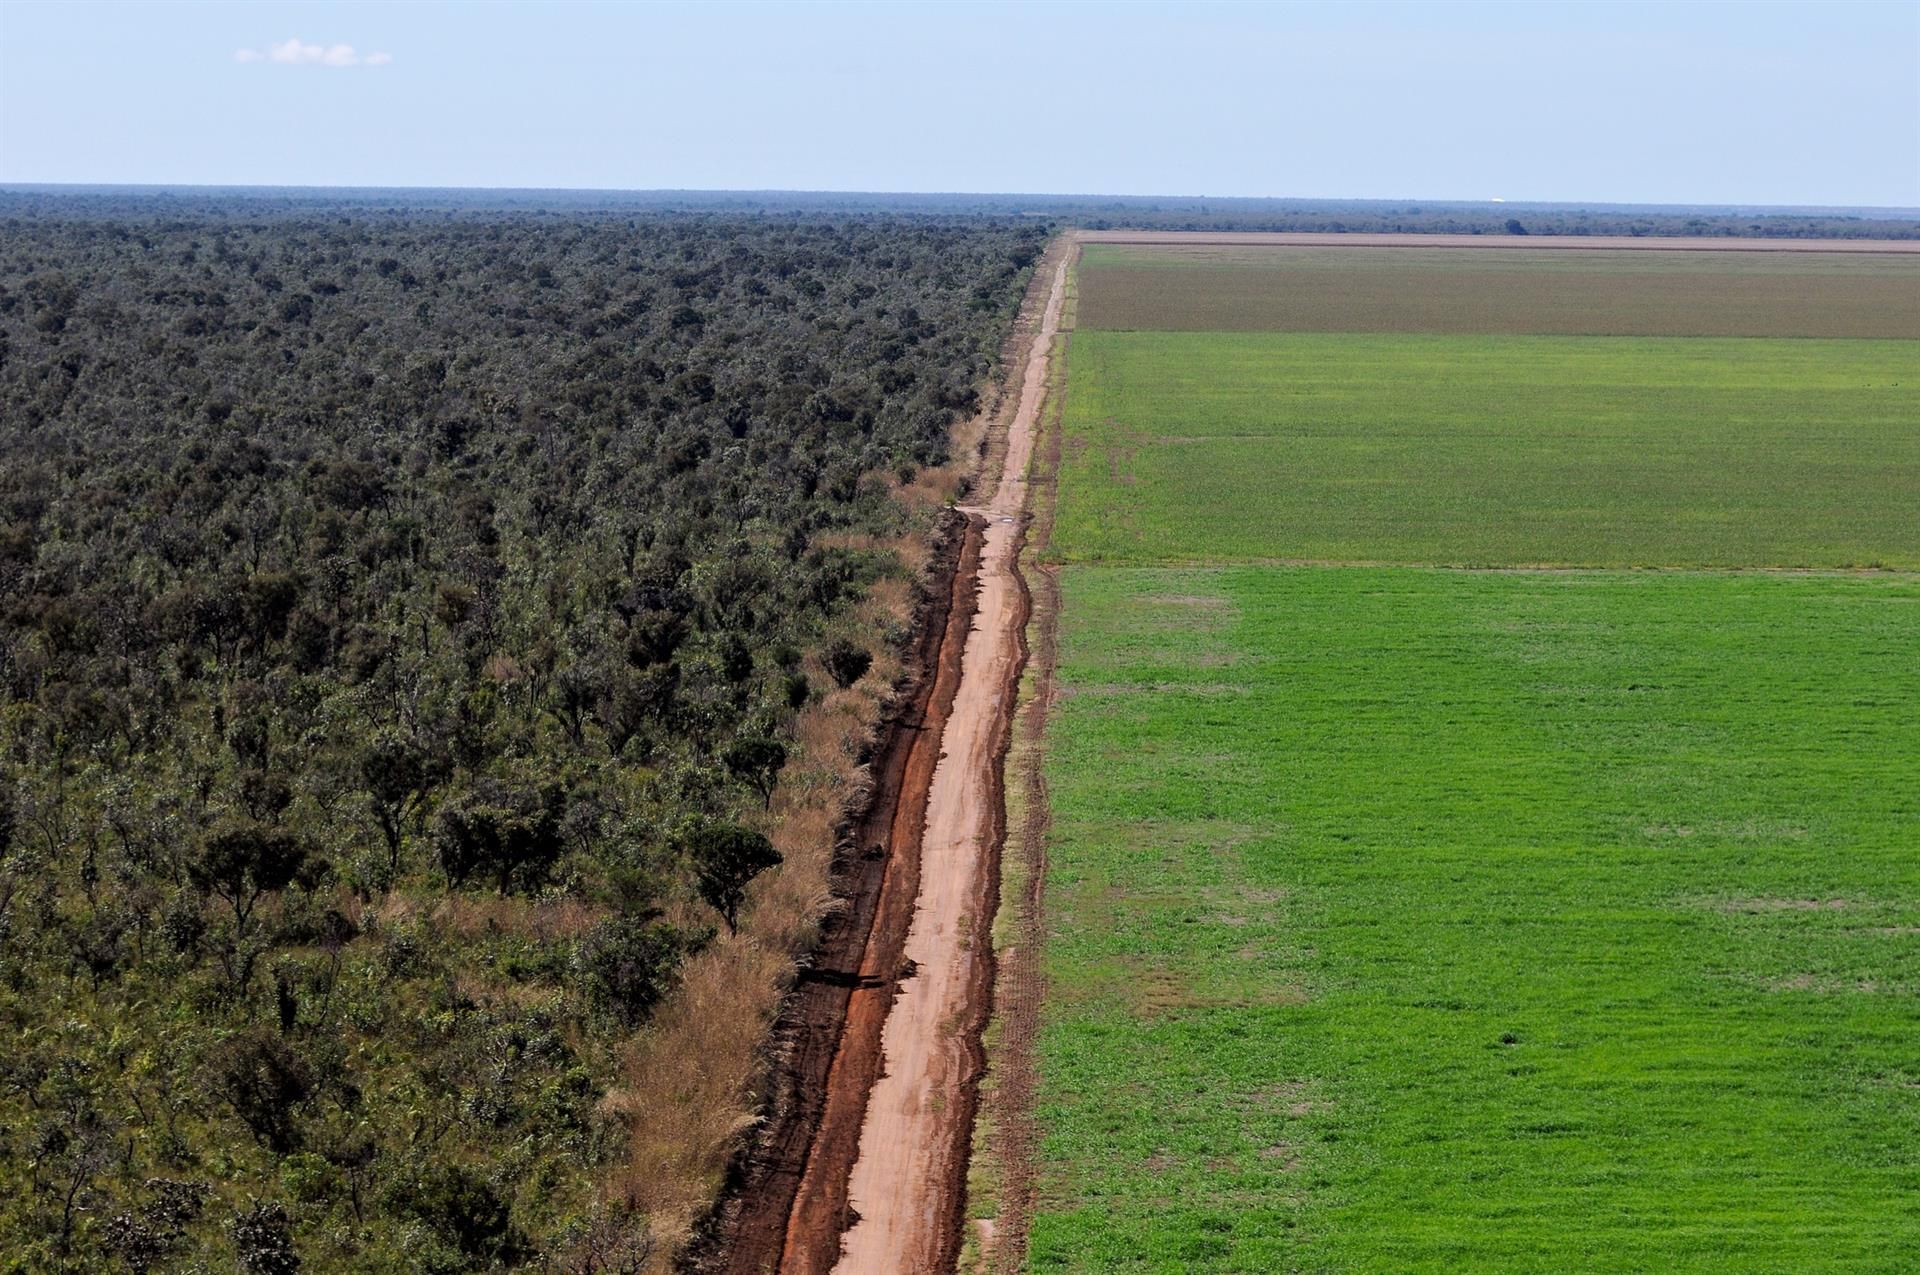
x: 1765, y: 209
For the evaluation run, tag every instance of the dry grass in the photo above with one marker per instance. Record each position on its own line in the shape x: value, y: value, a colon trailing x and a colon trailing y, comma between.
x: 693, y: 1074
x: 543, y: 919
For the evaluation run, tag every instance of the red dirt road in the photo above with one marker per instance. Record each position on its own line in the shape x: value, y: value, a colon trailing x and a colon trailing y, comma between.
x: 878, y: 1054
x: 827, y: 1045
x: 907, y: 1185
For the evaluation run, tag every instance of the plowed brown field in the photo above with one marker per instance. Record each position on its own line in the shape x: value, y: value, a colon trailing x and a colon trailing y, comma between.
x: 1524, y: 288
x: 1637, y: 243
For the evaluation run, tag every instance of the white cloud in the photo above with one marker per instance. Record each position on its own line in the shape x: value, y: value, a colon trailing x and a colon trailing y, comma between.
x: 296, y: 52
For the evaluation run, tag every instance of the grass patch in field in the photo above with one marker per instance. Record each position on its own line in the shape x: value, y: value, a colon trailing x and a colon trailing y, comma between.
x: 1418, y: 920
x: 1471, y: 290
x: 1185, y: 447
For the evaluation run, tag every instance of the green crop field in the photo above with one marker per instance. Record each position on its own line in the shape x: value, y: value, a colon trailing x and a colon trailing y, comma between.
x: 1194, y: 446
x: 1422, y: 920
x: 1406, y: 917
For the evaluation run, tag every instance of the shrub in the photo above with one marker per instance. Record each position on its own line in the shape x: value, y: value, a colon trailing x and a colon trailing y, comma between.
x: 846, y: 662
x: 625, y: 964
x: 264, y: 1241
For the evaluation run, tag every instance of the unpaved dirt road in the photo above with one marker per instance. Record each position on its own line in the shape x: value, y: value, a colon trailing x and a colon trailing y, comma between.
x: 788, y: 1205
x: 906, y: 1189
x: 1634, y: 243
x: 877, y: 1056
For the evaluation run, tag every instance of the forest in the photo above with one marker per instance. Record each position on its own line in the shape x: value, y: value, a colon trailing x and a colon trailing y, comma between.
x: 1090, y: 212
x: 404, y: 615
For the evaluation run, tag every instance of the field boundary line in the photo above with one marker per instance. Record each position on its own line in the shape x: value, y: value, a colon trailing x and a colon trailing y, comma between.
x: 1521, y: 568
x: 1002, y: 1184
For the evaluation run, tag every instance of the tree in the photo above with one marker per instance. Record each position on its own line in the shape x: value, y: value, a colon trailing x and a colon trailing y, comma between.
x: 626, y: 964
x: 241, y: 864
x: 464, y: 1208
x: 608, y: 1243
x: 514, y: 838
x: 244, y: 861
x: 654, y: 634
x: 631, y: 699
x: 267, y: 601
x: 726, y: 858
x: 398, y: 777
x: 265, y: 1081
x: 576, y: 689
x: 72, y: 1143
x: 757, y: 761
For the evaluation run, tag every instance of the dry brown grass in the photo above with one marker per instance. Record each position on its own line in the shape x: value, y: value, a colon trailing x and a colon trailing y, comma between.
x: 469, y: 915
x: 692, y: 1075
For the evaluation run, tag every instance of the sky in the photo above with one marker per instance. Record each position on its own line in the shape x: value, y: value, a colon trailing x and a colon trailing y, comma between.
x: 1621, y: 102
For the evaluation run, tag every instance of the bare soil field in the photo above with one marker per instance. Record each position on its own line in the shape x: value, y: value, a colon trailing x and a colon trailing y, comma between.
x: 1583, y: 291
x: 1636, y: 243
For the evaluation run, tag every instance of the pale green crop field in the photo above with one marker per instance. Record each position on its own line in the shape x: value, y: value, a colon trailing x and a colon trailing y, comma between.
x: 1477, y: 450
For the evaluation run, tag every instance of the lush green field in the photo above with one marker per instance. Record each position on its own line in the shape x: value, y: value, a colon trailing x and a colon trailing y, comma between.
x: 1596, y: 292
x: 1411, y: 918
x: 1421, y: 920
x: 1193, y: 447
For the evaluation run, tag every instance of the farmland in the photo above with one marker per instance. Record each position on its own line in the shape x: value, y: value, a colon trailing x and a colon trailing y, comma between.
x: 1601, y: 292
x: 1407, y: 916
x: 1188, y: 446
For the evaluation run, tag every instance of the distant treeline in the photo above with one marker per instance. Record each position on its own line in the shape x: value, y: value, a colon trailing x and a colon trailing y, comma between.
x: 402, y: 618
x: 1129, y: 212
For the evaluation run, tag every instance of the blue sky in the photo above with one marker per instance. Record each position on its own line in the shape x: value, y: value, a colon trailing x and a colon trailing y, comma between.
x: 1790, y: 103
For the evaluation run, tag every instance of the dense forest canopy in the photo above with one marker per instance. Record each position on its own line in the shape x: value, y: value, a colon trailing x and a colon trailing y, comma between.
x: 401, y: 620
x: 1094, y: 212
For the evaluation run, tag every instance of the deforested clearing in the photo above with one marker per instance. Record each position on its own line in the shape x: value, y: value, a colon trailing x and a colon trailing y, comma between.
x: 1481, y: 837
